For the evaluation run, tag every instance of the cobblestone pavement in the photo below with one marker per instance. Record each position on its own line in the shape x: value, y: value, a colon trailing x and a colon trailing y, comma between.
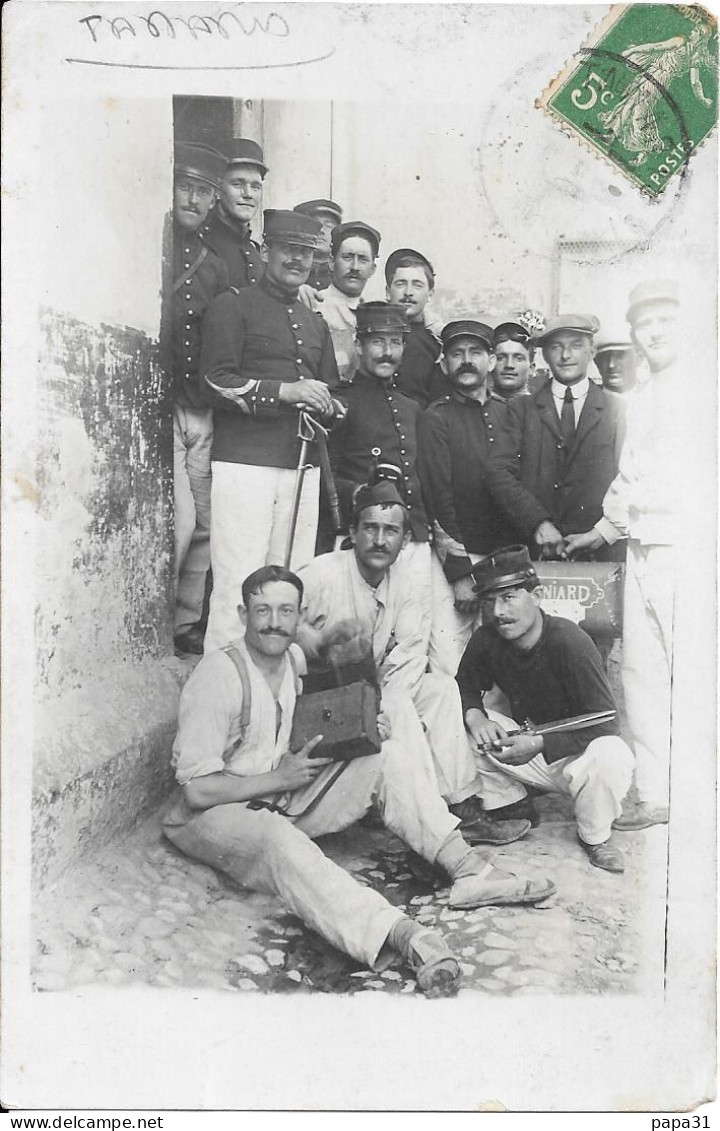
x: 142, y: 913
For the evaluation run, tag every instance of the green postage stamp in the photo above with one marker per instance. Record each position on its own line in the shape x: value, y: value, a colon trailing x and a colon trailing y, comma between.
x: 642, y: 90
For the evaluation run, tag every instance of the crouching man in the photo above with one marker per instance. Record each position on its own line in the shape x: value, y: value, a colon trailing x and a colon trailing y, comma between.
x: 252, y: 808
x: 548, y: 669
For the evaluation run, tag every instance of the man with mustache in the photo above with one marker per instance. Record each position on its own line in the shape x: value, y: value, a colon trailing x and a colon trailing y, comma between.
x: 380, y: 417
x: 371, y: 591
x: 266, y: 358
x: 330, y: 215
x: 410, y: 282
x: 548, y: 669
x: 355, y: 247
x: 616, y: 360
x: 558, y: 449
x: 645, y: 503
x: 252, y: 807
x: 198, y: 276
x: 240, y: 197
x: 455, y: 438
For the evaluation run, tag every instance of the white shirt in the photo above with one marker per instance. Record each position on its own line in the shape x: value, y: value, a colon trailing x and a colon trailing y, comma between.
x: 338, y: 311
x: 579, y: 393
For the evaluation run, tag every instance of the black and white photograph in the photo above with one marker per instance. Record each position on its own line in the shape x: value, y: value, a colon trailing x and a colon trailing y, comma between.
x: 359, y: 556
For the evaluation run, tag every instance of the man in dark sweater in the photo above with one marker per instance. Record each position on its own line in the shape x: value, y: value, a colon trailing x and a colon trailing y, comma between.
x: 266, y: 357
x: 548, y: 669
x: 198, y: 276
x: 410, y: 281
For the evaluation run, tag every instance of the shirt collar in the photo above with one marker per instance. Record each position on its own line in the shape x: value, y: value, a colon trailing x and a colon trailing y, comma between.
x: 277, y: 292
x: 239, y: 227
x: 579, y: 390
x: 341, y: 297
x: 379, y: 592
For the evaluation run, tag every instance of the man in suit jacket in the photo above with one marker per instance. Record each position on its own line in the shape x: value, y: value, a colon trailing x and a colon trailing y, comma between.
x: 558, y: 450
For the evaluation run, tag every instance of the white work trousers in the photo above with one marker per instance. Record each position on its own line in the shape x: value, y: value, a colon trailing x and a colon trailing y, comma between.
x: 265, y: 851
x: 250, y: 520
x: 192, y: 441
x: 647, y: 665
x: 597, y: 780
x: 433, y: 718
x: 435, y: 596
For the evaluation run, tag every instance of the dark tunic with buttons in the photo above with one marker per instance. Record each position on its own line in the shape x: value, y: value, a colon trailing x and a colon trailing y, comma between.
x: 253, y: 342
x: 378, y: 416
x: 419, y: 376
x: 561, y: 676
x: 231, y: 239
x: 533, y: 477
x: 199, y: 276
x: 455, y: 437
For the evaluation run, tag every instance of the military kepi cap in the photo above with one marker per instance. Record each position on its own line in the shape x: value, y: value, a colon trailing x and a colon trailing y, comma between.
x: 506, y: 568
x: 373, y: 494
x: 201, y: 162
x: 578, y: 323
x: 326, y: 207
x: 467, y: 328
x: 654, y: 290
x: 355, y: 228
x: 381, y: 318
x: 291, y: 227
x: 244, y: 151
x: 399, y: 257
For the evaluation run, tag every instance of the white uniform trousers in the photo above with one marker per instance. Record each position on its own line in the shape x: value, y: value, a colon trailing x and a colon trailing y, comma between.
x: 434, y: 593
x: 265, y: 851
x: 250, y: 521
x: 433, y: 719
x: 647, y: 664
x: 597, y: 780
x: 192, y: 442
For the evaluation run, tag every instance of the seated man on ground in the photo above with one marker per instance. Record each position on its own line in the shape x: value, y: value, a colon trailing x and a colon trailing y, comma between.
x: 358, y: 603
x: 548, y: 669
x: 251, y: 807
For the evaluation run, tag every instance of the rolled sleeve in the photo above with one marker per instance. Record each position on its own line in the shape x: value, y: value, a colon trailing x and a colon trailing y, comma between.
x: 210, y: 702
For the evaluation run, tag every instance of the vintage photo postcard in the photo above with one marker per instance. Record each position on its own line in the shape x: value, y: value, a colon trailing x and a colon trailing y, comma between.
x: 359, y: 556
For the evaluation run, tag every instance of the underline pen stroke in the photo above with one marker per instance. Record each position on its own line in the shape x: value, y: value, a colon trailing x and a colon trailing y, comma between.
x: 181, y: 67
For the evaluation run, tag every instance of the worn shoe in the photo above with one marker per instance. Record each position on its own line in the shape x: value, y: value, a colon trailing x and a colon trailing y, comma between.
x: 604, y: 856
x: 479, y: 827
x: 473, y: 886
x: 522, y: 810
x: 437, y: 970
x: 190, y: 642
x: 640, y: 817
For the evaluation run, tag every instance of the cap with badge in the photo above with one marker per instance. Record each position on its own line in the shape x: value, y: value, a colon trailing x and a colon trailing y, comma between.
x: 467, y: 328
x: 244, y: 151
x: 381, y: 318
x: 654, y: 290
x: 506, y: 568
x: 574, y: 323
x: 280, y: 224
x: 355, y: 228
x: 406, y: 257
x: 201, y: 162
x: 321, y: 209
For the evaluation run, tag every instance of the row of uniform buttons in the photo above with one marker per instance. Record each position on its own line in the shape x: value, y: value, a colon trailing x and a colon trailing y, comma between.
x: 491, y: 439
x: 406, y: 463
x: 188, y: 298
x: 248, y: 260
x: 298, y: 341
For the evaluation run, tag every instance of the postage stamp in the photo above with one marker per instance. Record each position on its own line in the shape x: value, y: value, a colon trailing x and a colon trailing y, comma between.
x: 642, y: 90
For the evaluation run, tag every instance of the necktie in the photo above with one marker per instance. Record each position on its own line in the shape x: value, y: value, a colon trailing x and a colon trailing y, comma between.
x: 567, y: 420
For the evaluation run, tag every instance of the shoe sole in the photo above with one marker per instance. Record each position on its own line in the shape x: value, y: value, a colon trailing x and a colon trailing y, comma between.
x: 473, y: 838
x: 638, y: 827
x: 506, y: 901
x: 605, y: 868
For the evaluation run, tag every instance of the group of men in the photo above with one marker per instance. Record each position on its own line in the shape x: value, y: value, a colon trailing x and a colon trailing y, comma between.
x: 452, y: 471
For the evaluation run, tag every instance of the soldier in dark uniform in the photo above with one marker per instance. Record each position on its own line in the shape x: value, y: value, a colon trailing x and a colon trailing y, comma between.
x: 240, y: 199
x: 455, y: 436
x: 410, y: 280
x: 198, y: 276
x: 381, y: 418
x: 266, y: 357
x: 330, y: 215
x: 558, y: 449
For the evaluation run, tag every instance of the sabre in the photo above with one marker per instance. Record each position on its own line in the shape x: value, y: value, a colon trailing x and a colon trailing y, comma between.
x: 558, y: 726
x: 306, y: 434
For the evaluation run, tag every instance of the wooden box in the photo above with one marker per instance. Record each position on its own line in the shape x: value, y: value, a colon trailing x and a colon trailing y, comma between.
x: 345, y: 716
